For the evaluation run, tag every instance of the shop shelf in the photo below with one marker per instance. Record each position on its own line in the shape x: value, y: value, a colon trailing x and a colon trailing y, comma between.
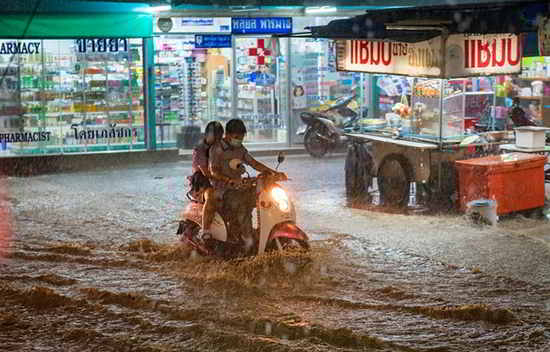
x: 97, y: 148
x: 544, y: 79
x: 530, y: 98
x: 478, y: 93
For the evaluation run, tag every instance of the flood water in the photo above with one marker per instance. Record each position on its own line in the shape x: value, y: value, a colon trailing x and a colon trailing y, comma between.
x: 93, y: 265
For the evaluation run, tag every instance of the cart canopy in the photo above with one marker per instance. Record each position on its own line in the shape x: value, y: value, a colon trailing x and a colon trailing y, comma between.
x: 389, y: 24
x: 441, y: 41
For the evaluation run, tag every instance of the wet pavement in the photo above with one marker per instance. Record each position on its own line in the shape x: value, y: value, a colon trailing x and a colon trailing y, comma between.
x: 94, y: 266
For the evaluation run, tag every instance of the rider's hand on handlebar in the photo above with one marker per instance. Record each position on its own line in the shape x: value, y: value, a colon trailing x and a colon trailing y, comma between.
x: 280, y: 175
x: 234, y: 183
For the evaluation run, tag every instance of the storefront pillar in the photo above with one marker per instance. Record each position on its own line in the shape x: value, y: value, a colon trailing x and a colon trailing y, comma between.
x: 234, y: 85
x: 149, y: 93
x: 290, y: 131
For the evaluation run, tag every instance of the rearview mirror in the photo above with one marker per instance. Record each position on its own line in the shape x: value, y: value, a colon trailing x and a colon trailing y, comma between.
x: 280, y: 159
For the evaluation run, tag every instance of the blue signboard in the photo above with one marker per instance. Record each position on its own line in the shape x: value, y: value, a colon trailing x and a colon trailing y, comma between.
x: 203, y: 41
x: 261, y: 25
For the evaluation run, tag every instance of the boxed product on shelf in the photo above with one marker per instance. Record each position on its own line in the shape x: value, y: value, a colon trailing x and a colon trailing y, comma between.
x: 531, y: 137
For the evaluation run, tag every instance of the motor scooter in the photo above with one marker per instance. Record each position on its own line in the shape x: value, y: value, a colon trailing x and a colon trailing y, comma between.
x: 325, y: 126
x: 276, y: 227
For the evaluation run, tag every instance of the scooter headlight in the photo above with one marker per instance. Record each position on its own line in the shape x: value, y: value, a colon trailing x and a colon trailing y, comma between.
x: 280, y: 198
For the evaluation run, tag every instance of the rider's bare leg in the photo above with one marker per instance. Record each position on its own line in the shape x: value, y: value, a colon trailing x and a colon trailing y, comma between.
x: 209, y: 209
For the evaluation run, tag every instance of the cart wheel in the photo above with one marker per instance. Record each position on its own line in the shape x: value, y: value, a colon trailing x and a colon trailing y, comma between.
x: 394, y: 177
x: 358, y: 168
x: 316, y: 146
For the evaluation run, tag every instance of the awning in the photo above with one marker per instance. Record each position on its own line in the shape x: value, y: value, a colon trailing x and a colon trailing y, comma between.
x: 43, y: 19
x: 337, y: 3
x: 58, y: 26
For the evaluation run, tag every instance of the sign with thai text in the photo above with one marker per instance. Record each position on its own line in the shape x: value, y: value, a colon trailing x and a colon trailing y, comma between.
x: 418, y: 59
x: 101, y: 45
x: 194, y: 25
x: 466, y: 55
x: 110, y: 131
x: 203, y: 41
x: 483, y: 55
x: 261, y: 25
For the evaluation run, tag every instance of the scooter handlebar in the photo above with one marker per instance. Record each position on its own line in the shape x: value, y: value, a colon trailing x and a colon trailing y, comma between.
x: 249, y: 182
x: 278, y: 177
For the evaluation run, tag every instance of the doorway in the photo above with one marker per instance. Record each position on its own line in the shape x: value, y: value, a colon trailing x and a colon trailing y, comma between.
x: 261, y: 88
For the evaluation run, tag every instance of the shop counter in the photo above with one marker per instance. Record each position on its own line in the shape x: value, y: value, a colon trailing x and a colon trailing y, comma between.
x: 402, y: 142
x: 515, y: 148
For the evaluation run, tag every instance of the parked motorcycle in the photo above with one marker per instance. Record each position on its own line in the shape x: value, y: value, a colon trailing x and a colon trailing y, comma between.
x: 325, y: 126
x: 489, y: 123
x: 276, y: 222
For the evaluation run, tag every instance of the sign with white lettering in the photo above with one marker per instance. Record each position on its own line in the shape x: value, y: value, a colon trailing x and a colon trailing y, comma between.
x: 466, y: 55
x: 544, y: 36
x: 261, y: 25
x: 418, y: 59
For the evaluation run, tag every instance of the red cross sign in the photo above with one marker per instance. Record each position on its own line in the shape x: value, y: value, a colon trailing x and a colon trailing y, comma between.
x: 260, y: 52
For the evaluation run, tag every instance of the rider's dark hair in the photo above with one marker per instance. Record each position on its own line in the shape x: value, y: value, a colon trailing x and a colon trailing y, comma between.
x: 235, y: 126
x: 214, y: 127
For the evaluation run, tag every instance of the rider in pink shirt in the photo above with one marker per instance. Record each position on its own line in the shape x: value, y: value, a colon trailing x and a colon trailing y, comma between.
x: 213, y: 133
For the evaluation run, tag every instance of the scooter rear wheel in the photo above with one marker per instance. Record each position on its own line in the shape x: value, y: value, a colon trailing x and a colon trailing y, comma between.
x: 316, y: 146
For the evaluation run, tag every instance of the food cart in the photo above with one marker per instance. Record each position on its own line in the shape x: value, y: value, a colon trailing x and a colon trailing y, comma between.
x: 429, y: 130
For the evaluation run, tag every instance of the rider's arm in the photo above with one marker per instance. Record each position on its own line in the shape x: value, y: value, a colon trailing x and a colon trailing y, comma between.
x: 256, y: 165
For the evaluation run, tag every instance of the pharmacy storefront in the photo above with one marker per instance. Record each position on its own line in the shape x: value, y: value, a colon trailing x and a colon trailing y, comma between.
x: 75, y: 84
x: 124, y: 82
x: 219, y: 68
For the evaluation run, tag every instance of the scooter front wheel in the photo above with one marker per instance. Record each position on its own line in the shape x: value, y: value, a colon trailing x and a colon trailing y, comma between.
x: 316, y: 141
x: 287, y: 244
x: 294, y: 254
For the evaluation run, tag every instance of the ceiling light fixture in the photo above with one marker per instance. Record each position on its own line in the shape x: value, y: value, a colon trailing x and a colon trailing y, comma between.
x: 158, y: 8
x: 323, y: 9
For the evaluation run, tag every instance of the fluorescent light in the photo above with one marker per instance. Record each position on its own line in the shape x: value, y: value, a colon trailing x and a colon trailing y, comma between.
x: 246, y: 9
x: 323, y: 9
x: 158, y: 8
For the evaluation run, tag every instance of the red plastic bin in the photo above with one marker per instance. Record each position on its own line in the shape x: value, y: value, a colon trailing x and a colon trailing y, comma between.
x: 515, y: 181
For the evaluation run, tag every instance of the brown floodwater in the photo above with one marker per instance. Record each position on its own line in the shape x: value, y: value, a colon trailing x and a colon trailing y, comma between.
x: 150, y: 296
x: 100, y: 270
